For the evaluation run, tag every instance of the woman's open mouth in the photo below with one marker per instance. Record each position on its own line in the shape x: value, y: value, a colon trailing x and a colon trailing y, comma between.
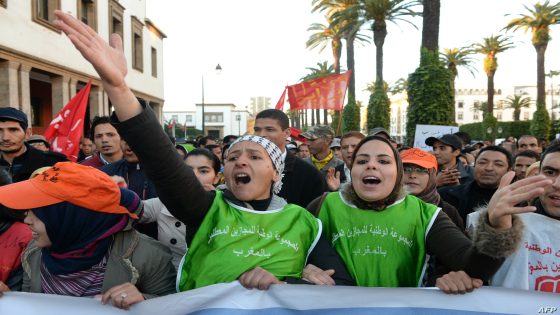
x: 371, y: 180
x: 242, y: 178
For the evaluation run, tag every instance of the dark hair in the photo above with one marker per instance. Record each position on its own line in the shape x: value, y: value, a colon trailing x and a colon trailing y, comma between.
x: 397, y: 191
x: 352, y: 134
x: 275, y: 114
x: 212, y: 146
x: 229, y: 138
x: 98, y: 120
x: 21, y: 124
x: 464, y: 136
x: 211, y: 156
x: 224, y: 150
x: 467, y: 149
x: 528, y: 136
x: 204, y: 140
x: 497, y: 149
x: 182, y: 149
x: 529, y: 154
x: 303, y: 144
x: 551, y: 149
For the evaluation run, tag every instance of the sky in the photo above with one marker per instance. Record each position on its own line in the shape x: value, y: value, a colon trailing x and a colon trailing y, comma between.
x: 260, y: 45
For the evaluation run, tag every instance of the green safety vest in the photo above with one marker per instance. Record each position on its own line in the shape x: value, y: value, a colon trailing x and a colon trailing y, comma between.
x: 232, y: 240
x: 380, y: 248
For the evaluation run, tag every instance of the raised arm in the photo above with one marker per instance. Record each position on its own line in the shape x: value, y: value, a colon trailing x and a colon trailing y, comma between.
x: 175, y: 183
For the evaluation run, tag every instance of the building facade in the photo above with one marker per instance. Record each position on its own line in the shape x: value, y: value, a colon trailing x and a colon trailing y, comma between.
x: 259, y: 104
x: 469, y: 103
x: 219, y: 119
x: 40, y: 70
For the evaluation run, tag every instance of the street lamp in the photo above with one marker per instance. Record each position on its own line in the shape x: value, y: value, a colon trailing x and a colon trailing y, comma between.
x: 218, y: 71
x: 238, y: 118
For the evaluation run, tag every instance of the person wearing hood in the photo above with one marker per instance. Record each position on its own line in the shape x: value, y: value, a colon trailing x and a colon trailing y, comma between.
x: 244, y: 232
x: 83, y: 244
x: 384, y: 235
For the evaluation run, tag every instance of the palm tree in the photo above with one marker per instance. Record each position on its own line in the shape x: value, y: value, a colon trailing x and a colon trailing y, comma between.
x: 517, y: 102
x: 539, y: 20
x: 453, y: 58
x: 457, y: 57
x: 323, y: 34
x: 491, y: 47
x: 378, y: 13
x: 323, y: 69
x: 349, y: 24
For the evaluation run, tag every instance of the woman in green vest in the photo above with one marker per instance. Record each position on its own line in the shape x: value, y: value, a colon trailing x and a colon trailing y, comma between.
x: 384, y: 235
x: 244, y: 232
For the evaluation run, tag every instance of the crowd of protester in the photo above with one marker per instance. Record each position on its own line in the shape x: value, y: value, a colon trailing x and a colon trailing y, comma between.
x: 140, y: 216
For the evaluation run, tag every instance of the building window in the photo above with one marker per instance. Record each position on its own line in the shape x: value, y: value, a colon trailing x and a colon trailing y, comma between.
x: 175, y: 118
x: 459, y: 116
x: 475, y: 116
x: 43, y: 12
x: 137, y: 45
x: 189, y: 119
x: 499, y: 116
x: 87, y: 12
x: 460, y: 104
x: 525, y: 115
x: 214, y: 117
x: 154, y: 62
x: 116, y: 13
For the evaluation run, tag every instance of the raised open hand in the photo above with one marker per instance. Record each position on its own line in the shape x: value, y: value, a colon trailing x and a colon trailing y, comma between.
x: 504, y: 201
x: 108, y: 60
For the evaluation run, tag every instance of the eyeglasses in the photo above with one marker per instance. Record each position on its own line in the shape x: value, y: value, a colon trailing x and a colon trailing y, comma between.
x: 409, y: 169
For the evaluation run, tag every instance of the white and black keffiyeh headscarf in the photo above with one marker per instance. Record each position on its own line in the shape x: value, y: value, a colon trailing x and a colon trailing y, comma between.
x: 273, y: 152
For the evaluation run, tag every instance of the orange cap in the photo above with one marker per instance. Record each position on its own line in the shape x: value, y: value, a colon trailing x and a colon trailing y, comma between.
x: 419, y: 157
x: 77, y: 184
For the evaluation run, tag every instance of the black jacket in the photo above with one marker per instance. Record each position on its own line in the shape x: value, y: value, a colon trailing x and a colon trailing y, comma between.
x: 301, y: 182
x: 24, y: 165
x: 466, y: 197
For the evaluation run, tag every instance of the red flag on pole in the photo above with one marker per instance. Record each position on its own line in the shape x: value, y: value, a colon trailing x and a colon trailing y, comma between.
x: 280, y: 104
x: 322, y: 93
x: 66, y: 129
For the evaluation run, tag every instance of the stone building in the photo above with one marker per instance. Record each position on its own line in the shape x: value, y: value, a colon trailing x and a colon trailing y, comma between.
x: 40, y: 70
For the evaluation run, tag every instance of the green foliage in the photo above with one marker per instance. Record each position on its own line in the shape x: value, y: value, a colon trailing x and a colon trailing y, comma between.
x: 335, y: 122
x: 430, y: 96
x: 379, y: 110
x: 541, y: 125
x: 351, y: 117
x: 490, y: 127
x: 508, y: 128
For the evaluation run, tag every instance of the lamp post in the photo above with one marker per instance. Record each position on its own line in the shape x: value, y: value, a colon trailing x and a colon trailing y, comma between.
x: 218, y: 71
x: 238, y: 118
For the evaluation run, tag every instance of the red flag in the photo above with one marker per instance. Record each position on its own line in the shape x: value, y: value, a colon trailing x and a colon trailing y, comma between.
x: 280, y: 104
x: 323, y: 93
x: 67, y: 127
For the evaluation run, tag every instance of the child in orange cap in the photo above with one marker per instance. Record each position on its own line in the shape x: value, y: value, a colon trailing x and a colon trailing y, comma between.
x: 83, y: 243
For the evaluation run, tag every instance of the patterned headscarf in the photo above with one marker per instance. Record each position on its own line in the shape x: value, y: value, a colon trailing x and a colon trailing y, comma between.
x: 273, y: 152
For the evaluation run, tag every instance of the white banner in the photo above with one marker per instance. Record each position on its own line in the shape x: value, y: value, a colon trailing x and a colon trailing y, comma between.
x: 423, y: 132
x: 232, y: 298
